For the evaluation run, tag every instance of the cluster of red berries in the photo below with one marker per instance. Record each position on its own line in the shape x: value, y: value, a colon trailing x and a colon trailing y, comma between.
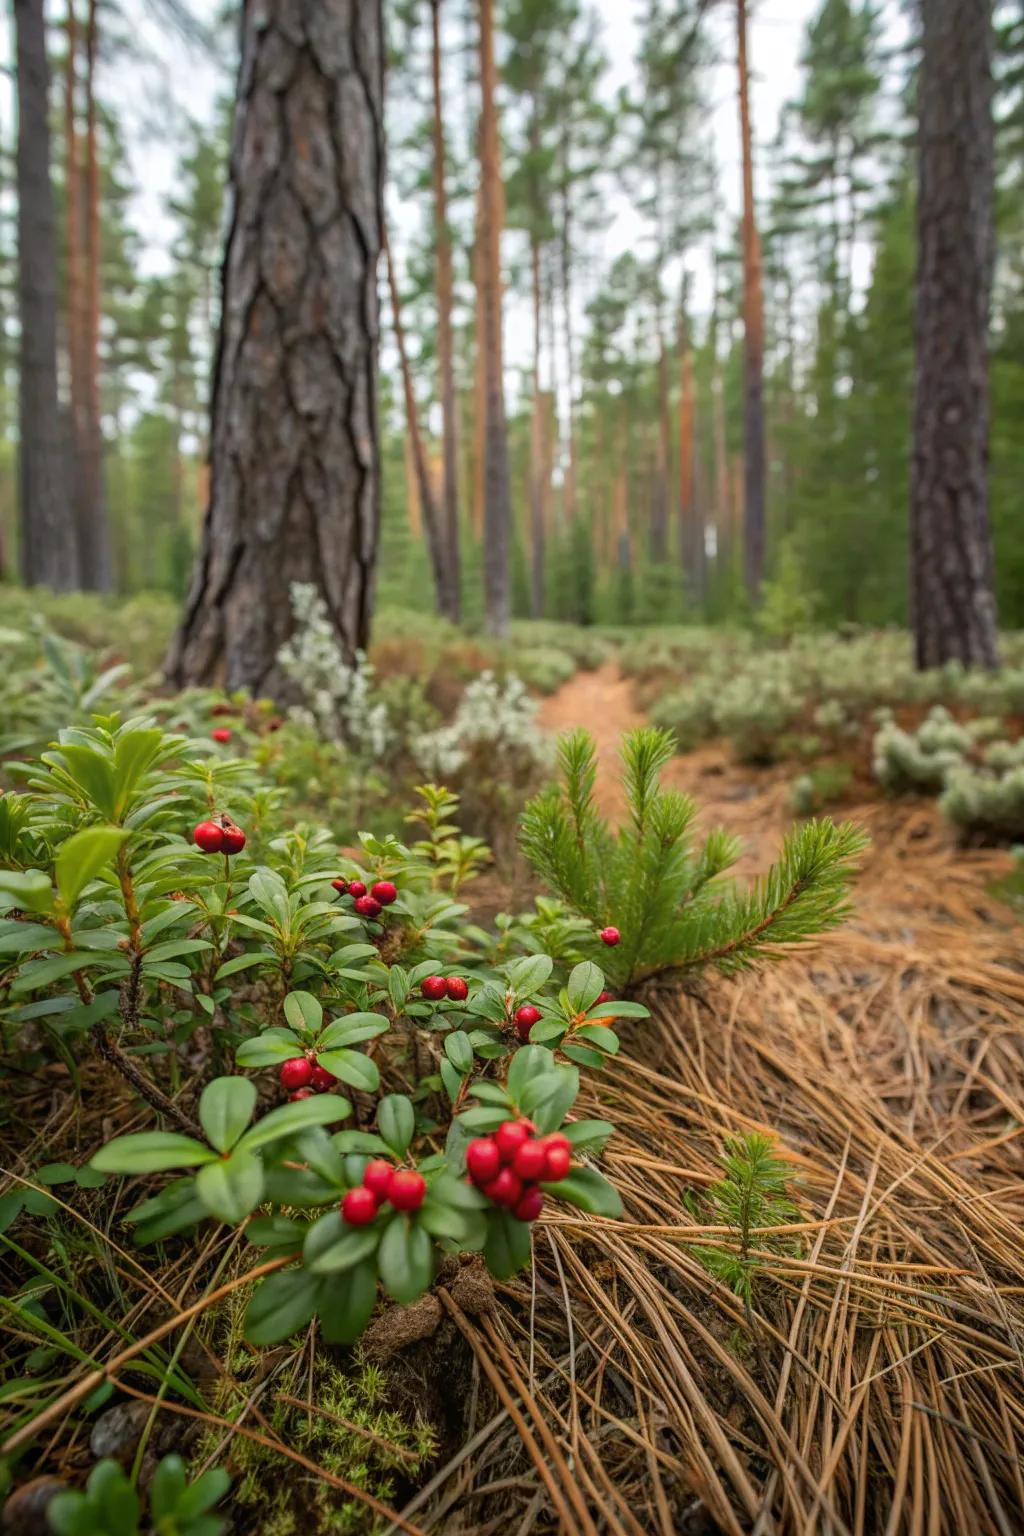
x: 368, y: 903
x: 434, y: 988
x: 509, y: 1166
x: 221, y: 734
x: 402, y: 1188
x: 220, y: 836
x: 610, y: 936
x: 301, y: 1078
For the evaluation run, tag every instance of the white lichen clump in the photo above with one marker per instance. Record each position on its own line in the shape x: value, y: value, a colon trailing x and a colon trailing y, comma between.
x: 339, y: 703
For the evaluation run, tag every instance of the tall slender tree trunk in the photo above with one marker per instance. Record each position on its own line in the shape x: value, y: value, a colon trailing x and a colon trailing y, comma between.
x: 479, y: 456
x: 565, y: 250
x: 952, y: 596
x: 76, y: 303
x: 445, y: 330
x: 444, y: 585
x: 294, y: 484
x: 97, y: 554
x: 498, y: 511
x: 538, y: 456
x: 691, y: 532
x: 753, y: 328
x: 659, y: 501
x: 48, y: 542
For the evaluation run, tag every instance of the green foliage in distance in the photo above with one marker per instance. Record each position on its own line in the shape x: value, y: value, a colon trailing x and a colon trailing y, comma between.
x: 662, y: 889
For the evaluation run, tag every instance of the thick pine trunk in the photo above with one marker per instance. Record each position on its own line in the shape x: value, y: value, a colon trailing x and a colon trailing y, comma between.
x: 953, y: 603
x: 753, y: 330
x: 445, y: 329
x: 498, y: 506
x: 294, y: 481
x: 445, y: 579
x: 48, y: 543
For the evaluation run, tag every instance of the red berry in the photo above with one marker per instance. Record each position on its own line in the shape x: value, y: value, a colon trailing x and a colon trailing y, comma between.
x: 384, y: 892
x: 458, y: 989
x: 300, y: 1093
x: 610, y: 936
x: 557, y: 1139
x: 378, y: 1177
x: 234, y: 839
x: 556, y: 1163
x: 510, y: 1137
x: 525, y: 1018
x: 483, y: 1159
x: 407, y: 1190
x: 531, y: 1161
x: 322, y: 1080
x: 341, y: 886
x: 434, y: 988
x: 530, y: 1206
x: 355, y: 887
x: 366, y: 906
x: 605, y: 997
x: 209, y: 837
x: 296, y: 1073
x: 359, y: 1207
x: 506, y: 1189
x: 221, y: 734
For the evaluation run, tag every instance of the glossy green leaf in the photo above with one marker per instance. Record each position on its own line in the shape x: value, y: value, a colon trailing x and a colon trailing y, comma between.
x: 396, y: 1121
x: 225, y: 1109
x: 82, y: 857
x: 282, y: 1304
x: 150, y: 1152
x: 589, y: 1190
x: 232, y: 1186
x: 405, y: 1260
x: 303, y: 1012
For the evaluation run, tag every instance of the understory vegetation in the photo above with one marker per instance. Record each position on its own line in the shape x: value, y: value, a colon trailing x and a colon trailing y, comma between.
x: 318, y: 1024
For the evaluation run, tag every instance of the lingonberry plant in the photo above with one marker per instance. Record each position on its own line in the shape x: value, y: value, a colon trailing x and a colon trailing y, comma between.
x: 414, y: 1076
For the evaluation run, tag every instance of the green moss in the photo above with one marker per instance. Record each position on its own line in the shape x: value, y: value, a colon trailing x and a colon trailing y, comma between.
x: 382, y: 1451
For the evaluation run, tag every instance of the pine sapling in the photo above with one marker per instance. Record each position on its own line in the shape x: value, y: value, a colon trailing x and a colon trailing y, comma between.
x: 651, y: 895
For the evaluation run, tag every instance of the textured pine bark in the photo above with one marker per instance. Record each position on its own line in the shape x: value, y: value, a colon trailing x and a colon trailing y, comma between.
x: 498, y: 507
x: 952, y: 598
x: 445, y: 330
x: 48, y: 545
x: 294, y: 486
x: 753, y: 339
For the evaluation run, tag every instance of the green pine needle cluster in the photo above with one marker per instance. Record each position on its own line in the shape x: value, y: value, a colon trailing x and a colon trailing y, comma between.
x: 662, y: 887
x: 751, y: 1196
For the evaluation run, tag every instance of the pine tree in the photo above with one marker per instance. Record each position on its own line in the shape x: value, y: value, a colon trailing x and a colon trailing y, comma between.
x: 953, y: 601
x: 497, y: 484
x: 294, y: 474
x: 48, y: 543
x: 754, y: 530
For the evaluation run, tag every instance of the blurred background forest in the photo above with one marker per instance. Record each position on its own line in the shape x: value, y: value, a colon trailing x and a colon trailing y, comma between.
x: 625, y: 284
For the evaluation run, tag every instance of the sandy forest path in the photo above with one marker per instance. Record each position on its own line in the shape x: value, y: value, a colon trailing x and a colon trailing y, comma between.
x: 888, y: 1058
